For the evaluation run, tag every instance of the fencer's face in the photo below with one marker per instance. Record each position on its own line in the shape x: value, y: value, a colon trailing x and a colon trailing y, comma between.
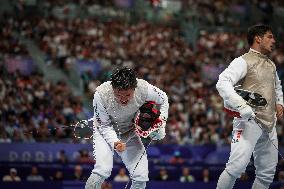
x: 267, y: 43
x: 123, y: 96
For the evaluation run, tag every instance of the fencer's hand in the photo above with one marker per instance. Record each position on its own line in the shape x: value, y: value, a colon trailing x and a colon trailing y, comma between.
x: 246, y: 112
x: 119, y: 146
x: 159, y: 134
x: 279, y: 111
x: 238, y: 104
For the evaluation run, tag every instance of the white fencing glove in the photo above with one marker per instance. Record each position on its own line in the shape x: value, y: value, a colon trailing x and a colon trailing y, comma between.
x: 246, y: 112
x: 160, y: 133
x: 237, y: 103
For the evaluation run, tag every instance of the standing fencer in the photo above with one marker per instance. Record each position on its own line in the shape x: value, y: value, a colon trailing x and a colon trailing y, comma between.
x: 254, y: 71
x: 115, y: 105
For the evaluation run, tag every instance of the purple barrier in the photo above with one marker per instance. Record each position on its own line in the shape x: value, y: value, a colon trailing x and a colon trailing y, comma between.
x: 47, y: 152
x: 39, y: 152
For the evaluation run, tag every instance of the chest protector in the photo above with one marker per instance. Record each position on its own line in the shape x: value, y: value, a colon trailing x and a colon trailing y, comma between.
x: 260, y: 78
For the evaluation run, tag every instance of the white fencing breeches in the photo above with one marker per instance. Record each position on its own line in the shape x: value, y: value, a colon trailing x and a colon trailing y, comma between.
x: 247, y: 139
x: 95, y: 181
x: 103, y: 154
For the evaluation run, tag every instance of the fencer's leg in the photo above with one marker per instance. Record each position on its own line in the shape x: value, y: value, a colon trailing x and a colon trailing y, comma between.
x: 138, y: 184
x: 265, y: 160
x: 244, y: 138
x: 95, y: 181
x: 258, y: 185
x: 103, y: 154
x: 226, y: 180
x: 130, y: 157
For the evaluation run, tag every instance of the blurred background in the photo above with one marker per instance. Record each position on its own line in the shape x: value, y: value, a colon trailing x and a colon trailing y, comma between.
x: 53, y: 54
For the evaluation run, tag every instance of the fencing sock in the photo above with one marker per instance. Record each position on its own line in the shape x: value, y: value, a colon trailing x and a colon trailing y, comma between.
x: 138, y: 184
x: 95, y: 181
x: 226, y: 181
x: 258, y: 185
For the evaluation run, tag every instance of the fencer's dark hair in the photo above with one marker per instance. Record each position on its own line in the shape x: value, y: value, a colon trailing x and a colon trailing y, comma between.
x: 124, y: 79
x: 257, y: 30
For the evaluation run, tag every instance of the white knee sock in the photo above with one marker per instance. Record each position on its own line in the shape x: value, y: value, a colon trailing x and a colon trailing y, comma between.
x: 259, y: 185
x: 226, y: 181
x: 95, y: 181
x: 138, y: 185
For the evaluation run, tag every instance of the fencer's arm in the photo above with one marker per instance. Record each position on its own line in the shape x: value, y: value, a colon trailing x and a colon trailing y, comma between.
x: 236, y: 71
x: 230, y: 76
x: 104, y: 123
x: 160, y: 97
x: 278, y: 90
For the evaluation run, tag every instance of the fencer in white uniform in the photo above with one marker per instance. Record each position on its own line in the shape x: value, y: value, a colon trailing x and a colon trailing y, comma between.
x: 253, y: 71
x: 115, y: 104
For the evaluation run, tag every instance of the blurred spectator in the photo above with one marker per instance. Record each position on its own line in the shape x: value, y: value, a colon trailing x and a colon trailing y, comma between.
x: 186, y: 176
x: 281, y: 162
x: 244, y: 177
x: 163, y: 175
x: 176, y: 159
x: 4, y: 137
x: 12, y: 177
x: 58, y: 176
x: 281, y: 176
x: 62, y: 158
x: 78, y: 174
x: 121, y: 176
x: 206, y: 175
x: 34, y: 176
x: 84, y: 157
x: 106, y: 185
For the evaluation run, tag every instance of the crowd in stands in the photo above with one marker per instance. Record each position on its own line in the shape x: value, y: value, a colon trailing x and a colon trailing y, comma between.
x: 206, y: 12
x: 158, y: 53
x: 32, y: 109
x: 10, y: 45
x: 231, y: 13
